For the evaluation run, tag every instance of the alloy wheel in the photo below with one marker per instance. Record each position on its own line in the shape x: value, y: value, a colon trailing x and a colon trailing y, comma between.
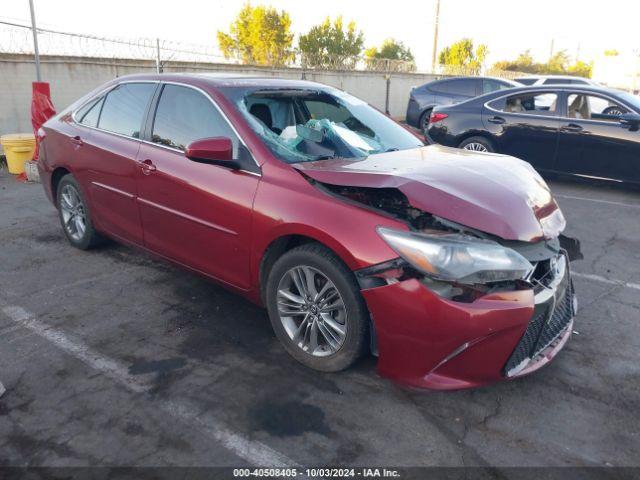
x: 475, y: 147
x: 312, y: 311
x: 73, y: 211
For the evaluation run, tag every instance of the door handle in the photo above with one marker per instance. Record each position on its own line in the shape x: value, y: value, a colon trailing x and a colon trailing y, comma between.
x: 77, y: 141
x: 147, y: 167
x: 497, y: 120
x: 572, y: 127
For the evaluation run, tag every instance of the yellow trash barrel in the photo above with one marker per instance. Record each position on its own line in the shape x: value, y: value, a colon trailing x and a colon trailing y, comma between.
x: 18, y: 148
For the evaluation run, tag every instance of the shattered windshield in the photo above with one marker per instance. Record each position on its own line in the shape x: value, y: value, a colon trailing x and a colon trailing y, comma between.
x: 301, y: 125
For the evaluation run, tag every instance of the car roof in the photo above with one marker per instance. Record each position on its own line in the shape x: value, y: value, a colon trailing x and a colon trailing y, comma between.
x: 488, y: 97
x: 563, y: 77
x: 544, y: 88
x: 462, y: 77
x: 216, y: 79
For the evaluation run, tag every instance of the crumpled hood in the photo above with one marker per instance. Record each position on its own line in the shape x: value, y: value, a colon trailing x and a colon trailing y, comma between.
x: 493, y: 193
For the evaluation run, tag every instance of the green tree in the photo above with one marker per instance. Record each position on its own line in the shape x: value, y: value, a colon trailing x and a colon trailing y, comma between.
x: 401, y: 58
x: 524, y: 63
x: 462, y: 55
x: 558, y: 64
x: 259, y: 35
x: 331, y: 45
x: 611, y: 53
x: 392, y: 50
x: 581, y: 69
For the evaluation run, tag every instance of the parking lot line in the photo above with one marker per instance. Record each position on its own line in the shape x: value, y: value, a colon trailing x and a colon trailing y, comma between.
x: 596, y: 200
x: 608, y: 281
x: 256, y: 453
x: 109, y: 367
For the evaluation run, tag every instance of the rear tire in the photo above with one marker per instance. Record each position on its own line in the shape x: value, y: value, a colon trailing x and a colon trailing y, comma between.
x: 477, y: 144
x: 341, y: 333
x: 75, y: 216
x: 424, y: 121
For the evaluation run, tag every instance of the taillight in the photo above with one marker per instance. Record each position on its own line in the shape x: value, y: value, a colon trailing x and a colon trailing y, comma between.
x: 437, y: 117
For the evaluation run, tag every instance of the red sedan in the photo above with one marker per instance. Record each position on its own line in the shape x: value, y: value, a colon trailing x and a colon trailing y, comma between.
x: 448, y: 265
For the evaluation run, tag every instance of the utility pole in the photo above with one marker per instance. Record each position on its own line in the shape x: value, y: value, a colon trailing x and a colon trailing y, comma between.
x: 551, y: 51
x: 158, y: 61
x: 35, y: 40
x: 435, y: 37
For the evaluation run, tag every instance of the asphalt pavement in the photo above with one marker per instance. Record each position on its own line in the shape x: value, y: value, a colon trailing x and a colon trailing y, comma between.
x: 111, y: 357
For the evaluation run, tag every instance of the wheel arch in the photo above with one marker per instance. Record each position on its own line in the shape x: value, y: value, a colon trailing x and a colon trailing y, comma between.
x: 470, y: 134
x: 291, y: 238
x: 427, y: 110
x: 56, y: 176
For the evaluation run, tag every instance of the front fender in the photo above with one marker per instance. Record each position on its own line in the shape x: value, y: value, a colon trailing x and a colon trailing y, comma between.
x: 295, y: 207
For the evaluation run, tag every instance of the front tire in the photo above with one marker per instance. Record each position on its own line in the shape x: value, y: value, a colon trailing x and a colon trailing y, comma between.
x: 477, y: 144
x: 316, y: 308
x: 75, y: 216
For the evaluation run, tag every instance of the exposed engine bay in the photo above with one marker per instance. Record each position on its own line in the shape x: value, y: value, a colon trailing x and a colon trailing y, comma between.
x: 543, y: 254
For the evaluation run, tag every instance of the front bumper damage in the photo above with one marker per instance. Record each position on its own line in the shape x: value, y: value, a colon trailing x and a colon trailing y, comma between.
x: 427, y: 341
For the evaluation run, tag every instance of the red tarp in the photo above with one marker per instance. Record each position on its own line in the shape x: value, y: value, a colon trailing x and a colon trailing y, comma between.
x: 41, y: 109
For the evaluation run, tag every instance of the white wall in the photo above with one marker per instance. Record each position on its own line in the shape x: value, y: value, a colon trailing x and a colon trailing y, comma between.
x: 72, y: 77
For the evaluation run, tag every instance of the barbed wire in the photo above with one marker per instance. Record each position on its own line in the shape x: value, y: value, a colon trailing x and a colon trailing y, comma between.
x: 16, y: 38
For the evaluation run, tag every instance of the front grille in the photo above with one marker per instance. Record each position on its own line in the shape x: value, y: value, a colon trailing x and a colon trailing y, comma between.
x: 549, y: 320
x: 559, y: 320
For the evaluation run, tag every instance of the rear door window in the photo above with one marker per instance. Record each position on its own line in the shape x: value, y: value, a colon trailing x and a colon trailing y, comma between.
x: 124, y: 108
x: 466, y: 87
x: 184, y: 115
x: 490, y: 85
x: 462, y: 86
x: 545, y: 103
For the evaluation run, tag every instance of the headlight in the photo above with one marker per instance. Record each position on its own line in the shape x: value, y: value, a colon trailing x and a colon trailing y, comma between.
x: 457, y: 258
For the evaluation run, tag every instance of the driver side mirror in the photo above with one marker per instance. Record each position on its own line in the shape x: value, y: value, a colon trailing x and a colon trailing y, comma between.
x: 214, y: 150
x: 631, y: 120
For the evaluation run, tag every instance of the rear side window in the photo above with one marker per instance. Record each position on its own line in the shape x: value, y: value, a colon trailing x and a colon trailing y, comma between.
x: 529, y: 103
x: 124, y: 108
x: 526, y: 81
x: 90, y: 113
x: 184, y: 115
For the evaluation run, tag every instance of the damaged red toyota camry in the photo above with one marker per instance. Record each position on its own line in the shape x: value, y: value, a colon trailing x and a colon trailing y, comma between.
x: 448, y: 265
